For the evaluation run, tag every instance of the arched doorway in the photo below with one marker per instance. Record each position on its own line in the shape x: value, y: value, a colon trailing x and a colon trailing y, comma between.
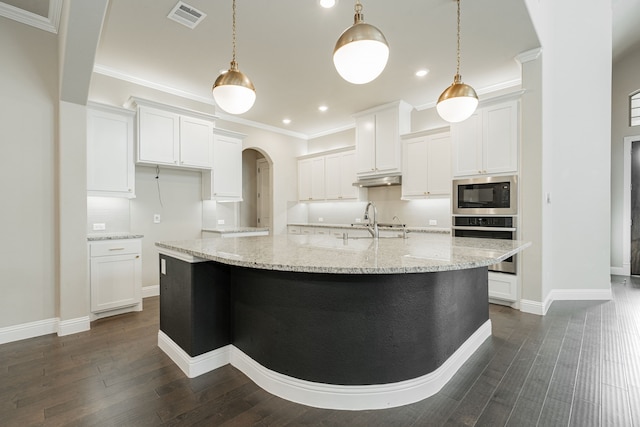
x: 257, y: 205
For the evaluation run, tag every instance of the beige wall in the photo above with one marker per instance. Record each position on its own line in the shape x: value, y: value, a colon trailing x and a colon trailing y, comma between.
x: 28, y: 113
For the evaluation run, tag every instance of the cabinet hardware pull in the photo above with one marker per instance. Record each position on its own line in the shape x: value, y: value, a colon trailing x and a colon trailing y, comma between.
x: 116, y: 249
x: 137, y: 256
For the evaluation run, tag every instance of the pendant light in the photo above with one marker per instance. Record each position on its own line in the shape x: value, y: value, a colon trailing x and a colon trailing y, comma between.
x: 361, y: 52
x: 232, y: 90
x: 458, y: 101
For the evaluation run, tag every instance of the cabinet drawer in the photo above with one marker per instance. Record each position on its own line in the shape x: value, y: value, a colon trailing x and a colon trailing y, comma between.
x: 115, y: 247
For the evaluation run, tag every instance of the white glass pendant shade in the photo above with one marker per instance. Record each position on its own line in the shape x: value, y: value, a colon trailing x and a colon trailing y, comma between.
x: 233, y: 91
x: 458, y: 102
x: 361, y: 52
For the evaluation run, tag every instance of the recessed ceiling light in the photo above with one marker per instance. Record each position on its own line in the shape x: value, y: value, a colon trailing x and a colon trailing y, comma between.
x: 327, y: 4
x: 422, y: 73
x: 286, y: 121
x: 323, y: 108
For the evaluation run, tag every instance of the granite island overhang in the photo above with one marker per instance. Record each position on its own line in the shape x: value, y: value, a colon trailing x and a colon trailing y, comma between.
x: 326, y: 322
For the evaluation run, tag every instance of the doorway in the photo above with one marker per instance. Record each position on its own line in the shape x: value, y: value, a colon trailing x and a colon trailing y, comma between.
x: 256, y: 207
x: 635, y: 208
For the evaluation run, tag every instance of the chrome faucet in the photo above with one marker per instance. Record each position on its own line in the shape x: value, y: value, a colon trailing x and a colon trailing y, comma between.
x: 372, y: 227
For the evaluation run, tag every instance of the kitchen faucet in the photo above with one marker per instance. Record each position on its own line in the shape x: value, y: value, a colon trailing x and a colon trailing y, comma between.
x: 372, y: 228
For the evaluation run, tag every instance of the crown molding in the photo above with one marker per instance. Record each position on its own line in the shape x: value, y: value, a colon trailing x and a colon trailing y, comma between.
x: 529, y: 55
x: 50, y: 23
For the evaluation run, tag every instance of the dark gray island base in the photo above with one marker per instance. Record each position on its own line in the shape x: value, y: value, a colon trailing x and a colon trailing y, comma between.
x: 331, y: 340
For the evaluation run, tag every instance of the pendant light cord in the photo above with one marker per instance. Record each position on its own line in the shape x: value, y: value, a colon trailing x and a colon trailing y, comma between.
x: 233, y: 28
x: 458, y: 67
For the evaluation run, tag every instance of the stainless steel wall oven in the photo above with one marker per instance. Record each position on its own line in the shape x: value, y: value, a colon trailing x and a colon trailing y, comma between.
x: 489, y: 227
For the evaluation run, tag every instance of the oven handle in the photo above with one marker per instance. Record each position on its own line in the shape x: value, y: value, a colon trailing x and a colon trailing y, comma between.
x: 483, y: 228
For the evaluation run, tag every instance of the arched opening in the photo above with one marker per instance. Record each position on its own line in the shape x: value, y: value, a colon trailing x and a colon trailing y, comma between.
x: 256, y: 209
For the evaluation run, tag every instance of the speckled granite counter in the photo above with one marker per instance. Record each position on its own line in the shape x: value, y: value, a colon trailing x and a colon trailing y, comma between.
x: 430, y: 229
x: 112, y: 236
x: 418, y: 253
x: 237, y: 231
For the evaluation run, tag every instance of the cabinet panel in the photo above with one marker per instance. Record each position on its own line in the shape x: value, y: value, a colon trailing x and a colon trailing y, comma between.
x: 224, y: 181
x: 426, y: 166
x: 311, y: 177
x: 196, y: 142
x: 467, y: 146
x: 387, y: 141
x: 439, y: 164
x: 500, y: 131
x: 115, y: 281
x: 110, y: 164
x: 415, y: 176
x: 366, y: 144
x: 340, y: 175
x: 158, y: 136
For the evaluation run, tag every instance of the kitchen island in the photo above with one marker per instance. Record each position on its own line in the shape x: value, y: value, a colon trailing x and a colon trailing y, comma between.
x: 329, y: 322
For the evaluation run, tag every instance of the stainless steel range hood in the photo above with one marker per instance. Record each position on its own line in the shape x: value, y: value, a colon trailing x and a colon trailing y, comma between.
x: 381, y: 181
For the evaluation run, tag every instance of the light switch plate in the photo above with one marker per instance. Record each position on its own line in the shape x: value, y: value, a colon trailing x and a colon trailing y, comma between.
x: 433, y: 222
x: 221, y: 222
x: 156, y: 218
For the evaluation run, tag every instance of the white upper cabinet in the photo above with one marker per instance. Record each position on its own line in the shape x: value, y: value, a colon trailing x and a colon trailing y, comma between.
x: 487, y: 142
x: 340, y: 174
x: 110, y: 163
x: 224, y: 181
x: 378, y: 145
x: 426, y: 166
x: 172, y: 136
x: 311, y: 179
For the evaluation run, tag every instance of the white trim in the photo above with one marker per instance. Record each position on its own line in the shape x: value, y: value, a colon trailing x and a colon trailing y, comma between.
x: 529, y: 55
x: 328, y: 396
x: 332, y: 131
x: 626, y: 201
x: 194, y: 366
x: 28, y: 330
x: 625, y: 270
x: 533, y: 307
x: 580, y: 294
x: 49, y: 23
x: 73, y: 326
x: 135, y: 102
x: 120, y: 75
x: 150, y: 291
x: 181, y: 255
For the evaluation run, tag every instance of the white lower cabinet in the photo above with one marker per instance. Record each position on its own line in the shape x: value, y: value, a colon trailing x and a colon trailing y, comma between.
x: 115, y: 276
x: 503, y: 286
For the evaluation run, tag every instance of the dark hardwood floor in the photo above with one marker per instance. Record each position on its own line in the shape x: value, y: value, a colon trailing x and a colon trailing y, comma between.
x: 577, y: 366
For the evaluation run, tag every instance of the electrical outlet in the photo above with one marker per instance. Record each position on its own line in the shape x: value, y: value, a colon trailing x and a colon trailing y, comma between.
x: 358, y: 220
x: 433, y: 222
x: 320, y: 219
x: 99, y: 226
x: 221, y: 222
x: 156, y: 218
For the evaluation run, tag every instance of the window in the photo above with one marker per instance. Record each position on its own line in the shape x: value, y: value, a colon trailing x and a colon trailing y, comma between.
x: 634, y: 109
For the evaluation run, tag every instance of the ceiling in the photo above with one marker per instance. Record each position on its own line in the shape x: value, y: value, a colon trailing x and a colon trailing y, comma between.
x: 285, y: 47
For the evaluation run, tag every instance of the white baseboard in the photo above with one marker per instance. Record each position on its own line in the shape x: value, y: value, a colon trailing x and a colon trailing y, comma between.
x: 541, y: 308
x: 193, y: 366
x: 73, y: 326
x: 44, y: 327
x: 150, y: 291
x: 28, y: 330
x: 625, y: 270
x: 328, y: 396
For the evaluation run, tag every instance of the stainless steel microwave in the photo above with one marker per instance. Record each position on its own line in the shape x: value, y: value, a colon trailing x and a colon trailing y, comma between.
x: 487, y: 195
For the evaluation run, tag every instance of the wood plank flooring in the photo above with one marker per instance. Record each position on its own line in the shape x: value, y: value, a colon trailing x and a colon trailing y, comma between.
x: 577, y: 366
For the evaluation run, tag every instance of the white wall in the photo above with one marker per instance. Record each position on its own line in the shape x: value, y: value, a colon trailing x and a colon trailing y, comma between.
x: 28, y: 108
x: 626, y: 80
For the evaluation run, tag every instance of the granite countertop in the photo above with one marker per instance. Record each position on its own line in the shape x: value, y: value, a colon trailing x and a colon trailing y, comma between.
x: 112, y: 236
x: 224, y: 230
x: 420, y: 252
x: 361, y: 225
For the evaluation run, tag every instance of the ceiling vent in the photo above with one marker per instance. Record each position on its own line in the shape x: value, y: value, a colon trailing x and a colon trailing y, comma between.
x: 186, y: 15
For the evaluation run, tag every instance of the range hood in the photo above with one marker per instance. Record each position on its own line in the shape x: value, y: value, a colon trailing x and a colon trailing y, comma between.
x: 379, y: 181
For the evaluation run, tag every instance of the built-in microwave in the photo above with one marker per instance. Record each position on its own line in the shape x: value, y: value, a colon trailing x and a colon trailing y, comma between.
x: 487, y: 195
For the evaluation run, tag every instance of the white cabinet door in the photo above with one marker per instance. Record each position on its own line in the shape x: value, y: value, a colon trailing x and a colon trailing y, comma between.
x: 226, y: 181
x: 387, y: 141
x: 500, y: 136
x: 158, y: 136
x: 439, y: 164
x: 426, y: 166
x: 110, y: 164
x: 487, y: 142
x: 304, y: 179
x: 415, y: 167
x: 311, y: 176
x: 196, y: 142
x: 340, y: 175
x: 467, y: 146
x: 366, y: 144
